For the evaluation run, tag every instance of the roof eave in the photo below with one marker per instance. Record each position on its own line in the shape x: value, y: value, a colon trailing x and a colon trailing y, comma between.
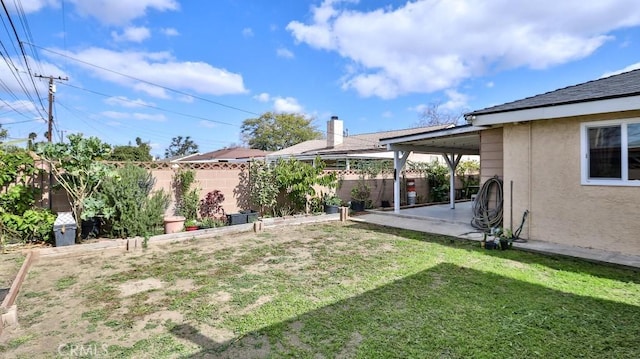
x: 619, y: 104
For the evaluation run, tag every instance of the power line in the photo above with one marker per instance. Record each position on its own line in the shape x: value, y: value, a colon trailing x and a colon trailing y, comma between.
x: 151, y: 106
x: 145, y: 81
x: 24, y: 55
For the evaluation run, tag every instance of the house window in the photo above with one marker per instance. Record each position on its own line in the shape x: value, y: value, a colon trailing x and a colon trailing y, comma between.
x: 611, y: 153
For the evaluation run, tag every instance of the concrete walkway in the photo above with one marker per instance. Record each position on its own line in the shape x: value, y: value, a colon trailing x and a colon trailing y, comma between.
x: 439, y: 221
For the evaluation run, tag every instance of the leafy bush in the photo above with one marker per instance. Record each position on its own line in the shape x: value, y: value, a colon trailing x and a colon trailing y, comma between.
x: 135, y: 210
x: 437, y: 176
x: 296, y: 180
x: 210, y: 222
x: 18, y: 218
x: 211, y: 205
x: 263, y: 188
x: 34, y: 225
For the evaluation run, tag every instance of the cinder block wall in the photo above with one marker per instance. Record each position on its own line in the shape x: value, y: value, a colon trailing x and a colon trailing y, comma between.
x: 232, y: 179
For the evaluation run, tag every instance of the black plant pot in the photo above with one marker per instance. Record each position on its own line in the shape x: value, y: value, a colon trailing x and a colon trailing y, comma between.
x: 357, y: 206
x: 236, y: 218
x: 504, y: 244
x: 330, y: 209
x: 386, y: 204
x: 252, y: 216
x: 90, y: 227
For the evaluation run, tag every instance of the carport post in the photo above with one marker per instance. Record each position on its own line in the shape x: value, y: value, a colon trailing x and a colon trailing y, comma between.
x: 453, y: 164
x: 399, y: 160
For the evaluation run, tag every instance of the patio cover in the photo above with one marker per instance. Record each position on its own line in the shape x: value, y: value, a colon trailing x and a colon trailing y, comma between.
x: 452, y: 143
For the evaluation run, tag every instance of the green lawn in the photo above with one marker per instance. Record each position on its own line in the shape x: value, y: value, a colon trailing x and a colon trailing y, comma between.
x: 336, y: 290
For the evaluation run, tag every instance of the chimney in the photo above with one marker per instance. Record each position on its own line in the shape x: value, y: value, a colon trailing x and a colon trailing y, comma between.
x: 334, y: 132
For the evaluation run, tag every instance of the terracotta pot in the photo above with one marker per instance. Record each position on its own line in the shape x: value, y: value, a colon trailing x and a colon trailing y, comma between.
x: 173, y: 224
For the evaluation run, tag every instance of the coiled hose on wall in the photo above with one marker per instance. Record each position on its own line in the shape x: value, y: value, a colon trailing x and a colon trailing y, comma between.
x: 487, y: 211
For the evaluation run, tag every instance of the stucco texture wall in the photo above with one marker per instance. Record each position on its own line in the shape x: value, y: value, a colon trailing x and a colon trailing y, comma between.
x: 561, y: 209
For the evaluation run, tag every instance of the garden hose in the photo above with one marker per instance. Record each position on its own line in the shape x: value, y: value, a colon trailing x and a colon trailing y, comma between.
x: 484, y: 217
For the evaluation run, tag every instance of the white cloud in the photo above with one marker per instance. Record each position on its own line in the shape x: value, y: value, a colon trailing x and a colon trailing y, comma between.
x: 116, y: 115
x: 207, y: 124
x: 427, y: 46
x: 42, y: 83
x: 263, y: 97
x: 126, y: 102
x: 490, y: 84
x: 186, y: 99
x: 132, y: 34
x: 149, y: 117
x: 158, y: 68
x: 284, y: 52
x: 169, y: 31
x: 30, y: 6
x: 247, y: 32
x: 456, y: 101
x: 281, y: 104
x: 626, y: 69
x: 387, y: 114
x: 287, y: 104
x: 121, y: 12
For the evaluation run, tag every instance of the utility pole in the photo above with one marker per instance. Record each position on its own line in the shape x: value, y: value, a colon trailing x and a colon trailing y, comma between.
x: 52, y: 91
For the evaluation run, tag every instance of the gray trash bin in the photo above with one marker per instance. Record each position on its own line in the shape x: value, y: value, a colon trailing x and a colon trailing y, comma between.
x: 64, y: 229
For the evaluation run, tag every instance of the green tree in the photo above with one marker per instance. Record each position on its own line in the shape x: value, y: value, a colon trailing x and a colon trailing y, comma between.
x: 30, y: 142
x: 141, y: 152
x: 3, y: 134
x: 181, y: 146
x: 275, y: 131
x: 78, y: 168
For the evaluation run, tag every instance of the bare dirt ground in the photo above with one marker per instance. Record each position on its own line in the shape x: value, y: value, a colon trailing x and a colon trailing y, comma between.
x: 10, y: 263
x: 172, y: 299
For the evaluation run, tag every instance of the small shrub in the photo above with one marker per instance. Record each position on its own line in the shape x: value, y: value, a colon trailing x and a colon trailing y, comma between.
x: 211, y: 205
x: 187, y: 199
x: 34, y: 225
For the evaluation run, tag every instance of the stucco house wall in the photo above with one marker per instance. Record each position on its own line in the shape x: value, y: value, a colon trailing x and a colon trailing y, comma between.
x: 542, y: 158
x: 491, y: 154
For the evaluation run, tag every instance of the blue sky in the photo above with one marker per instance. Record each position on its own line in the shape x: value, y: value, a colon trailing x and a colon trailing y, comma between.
x: 157, y: 69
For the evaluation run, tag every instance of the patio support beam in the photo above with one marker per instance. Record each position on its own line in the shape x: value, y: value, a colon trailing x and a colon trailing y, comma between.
x: 452, y: 161
x: 399, y: 160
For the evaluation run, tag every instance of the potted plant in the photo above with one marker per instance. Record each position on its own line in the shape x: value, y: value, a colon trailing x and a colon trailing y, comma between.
x: 503, y: 238
x: 331, y: 203
x: 191, y: 225
x: 95, y: 209
x: 210, y: 222
x: 359, y: 196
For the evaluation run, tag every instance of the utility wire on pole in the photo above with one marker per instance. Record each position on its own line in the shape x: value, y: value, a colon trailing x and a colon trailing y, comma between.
x: 52, y: 91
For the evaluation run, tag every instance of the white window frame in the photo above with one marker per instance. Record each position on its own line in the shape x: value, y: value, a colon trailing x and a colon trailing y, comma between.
x: 624, y: 144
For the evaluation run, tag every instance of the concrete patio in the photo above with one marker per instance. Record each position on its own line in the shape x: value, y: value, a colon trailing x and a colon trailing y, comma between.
x: 441, y: 219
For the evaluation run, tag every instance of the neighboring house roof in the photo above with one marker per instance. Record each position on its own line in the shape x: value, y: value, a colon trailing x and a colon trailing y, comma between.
x: 362, y: 143
x: 178, y: 158
x: 616, y: 86
x: 227, y: 155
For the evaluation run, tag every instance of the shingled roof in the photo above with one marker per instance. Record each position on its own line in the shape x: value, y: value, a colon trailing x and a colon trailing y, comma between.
x: 361, y: 143
x: 616, y: 86
x: 227, y: 155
